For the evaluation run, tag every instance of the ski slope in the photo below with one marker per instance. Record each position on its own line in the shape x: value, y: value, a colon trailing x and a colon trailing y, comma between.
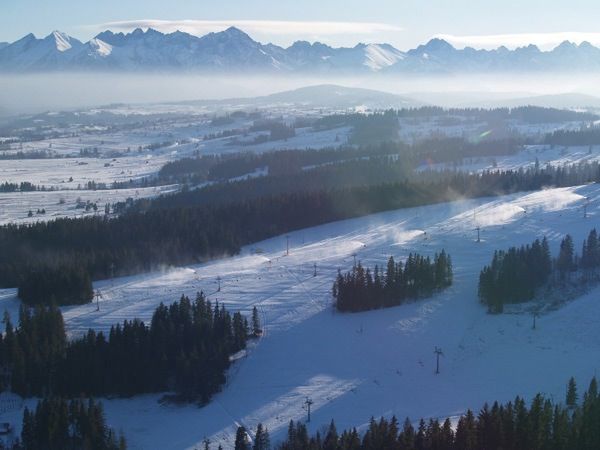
x: 354, y: 366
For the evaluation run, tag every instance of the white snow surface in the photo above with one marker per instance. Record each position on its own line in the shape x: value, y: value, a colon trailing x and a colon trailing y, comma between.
x: 100, y: 47
x: 63, y: 41
x: 379, y: 57
x: 355, y: 366
x: 15, y: 206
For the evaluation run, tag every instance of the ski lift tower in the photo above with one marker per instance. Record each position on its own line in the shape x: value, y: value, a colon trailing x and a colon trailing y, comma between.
x: 438, y: 352
x: 585, y: 207
x: 308, y: 404
x: 98, y: 296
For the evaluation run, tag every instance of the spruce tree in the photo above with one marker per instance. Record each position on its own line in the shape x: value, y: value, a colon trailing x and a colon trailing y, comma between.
x: 571, y: 399
x: 241, y: 439
x: 331, y: 438
x: 565, y: 262
x: 261, y: 439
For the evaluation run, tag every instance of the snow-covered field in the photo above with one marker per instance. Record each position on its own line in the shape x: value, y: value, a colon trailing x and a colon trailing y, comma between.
x: 15, y: 206
x: 354, y: 366
x: 57, y: 173
x: 125, y: 155
x: 68, y: 177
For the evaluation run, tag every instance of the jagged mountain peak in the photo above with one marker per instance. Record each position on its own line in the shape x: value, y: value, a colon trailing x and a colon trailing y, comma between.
x: 306, y: 44
x: 100, y: 48
x: 586, y: 45
x: 28, y: 38
x: 229, y: 34
x: 437, y: 45
x: 528, y: 48
x: 62, y: 41
x: 567, y: 45
x: 114, y: 39
x: 235, y: 31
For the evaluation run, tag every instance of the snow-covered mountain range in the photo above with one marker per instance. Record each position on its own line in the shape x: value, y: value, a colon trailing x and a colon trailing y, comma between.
x: 232, y: 50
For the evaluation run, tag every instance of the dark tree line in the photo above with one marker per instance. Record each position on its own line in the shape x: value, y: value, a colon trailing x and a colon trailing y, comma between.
x: 584, y: 136
x: 361, y: 290
x: 185, y: 350
x: 33, y: 154
x: 374, y: 173
x: 65, y: 285
x: 527, y: 114
x: 542, y: 425
x: 515, y: 275
x: 569, y: 261
x: 285, y: 162
x: 58, y: 424
x: 590, y: 252
x: 198, y: 225
x: 23, y: 186
x: 282, y: 162
x: 374, y: 128
x: 449, y: 149
x: 262, y: 440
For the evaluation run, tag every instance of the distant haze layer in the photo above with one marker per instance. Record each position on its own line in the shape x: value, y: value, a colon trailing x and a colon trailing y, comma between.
x: 39, y: 92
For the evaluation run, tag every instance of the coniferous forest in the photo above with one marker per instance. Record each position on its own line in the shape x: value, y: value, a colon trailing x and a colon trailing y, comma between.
x: 58, y: 424
x: 542, y: 425
x: 586, y: 136
x: 361, y: 290
x: 514, y: 275
x: 184, y: 350
x: 64, y: 285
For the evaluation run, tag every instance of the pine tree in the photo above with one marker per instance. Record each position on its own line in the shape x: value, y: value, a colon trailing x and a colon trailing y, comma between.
x: 261, y: 439
x: 28, y: 430
x: 565, y: 262
x: 406, y: 439
x: 331, y: 438
x: 241, y: 439
x: 546, y: 257
x: 466, y: 432
x: 571, y: 399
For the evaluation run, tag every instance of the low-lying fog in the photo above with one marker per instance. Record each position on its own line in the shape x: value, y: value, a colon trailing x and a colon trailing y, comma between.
x: 41, y: 92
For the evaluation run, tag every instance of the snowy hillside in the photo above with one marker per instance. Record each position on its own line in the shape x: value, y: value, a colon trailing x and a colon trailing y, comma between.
x: 354, y: 366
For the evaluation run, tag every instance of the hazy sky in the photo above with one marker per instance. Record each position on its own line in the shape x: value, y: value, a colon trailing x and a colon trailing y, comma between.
x: 403, y: 23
